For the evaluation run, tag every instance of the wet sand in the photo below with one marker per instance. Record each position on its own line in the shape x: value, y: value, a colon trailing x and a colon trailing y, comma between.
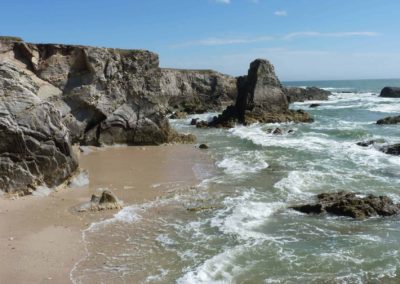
x: 40, y: 237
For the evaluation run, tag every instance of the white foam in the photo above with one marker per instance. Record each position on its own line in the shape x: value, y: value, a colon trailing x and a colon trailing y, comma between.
x: 243, y: 163
x: 81, y: 180
x: 42, y: 191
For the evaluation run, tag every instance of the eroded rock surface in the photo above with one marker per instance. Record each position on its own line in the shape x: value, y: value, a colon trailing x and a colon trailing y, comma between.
x: 351, y: 205
x: 197, y: 91
x: 35, y: 145
x: 261, y: 98
x: 105, y: 201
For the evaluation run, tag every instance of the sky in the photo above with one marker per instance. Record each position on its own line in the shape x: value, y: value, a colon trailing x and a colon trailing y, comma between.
x: 304, y: 39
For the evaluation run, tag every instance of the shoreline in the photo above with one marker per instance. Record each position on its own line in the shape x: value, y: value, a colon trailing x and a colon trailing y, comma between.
x: 41, y: 237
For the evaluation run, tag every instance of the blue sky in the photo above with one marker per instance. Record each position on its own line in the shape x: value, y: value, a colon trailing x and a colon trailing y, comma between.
x: 304, y: 39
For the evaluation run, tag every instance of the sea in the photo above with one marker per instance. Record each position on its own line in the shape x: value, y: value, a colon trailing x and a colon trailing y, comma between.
x: 236, y: 225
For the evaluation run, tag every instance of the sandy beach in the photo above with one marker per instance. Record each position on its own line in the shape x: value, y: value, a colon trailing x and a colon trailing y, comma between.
x: 41, y: 237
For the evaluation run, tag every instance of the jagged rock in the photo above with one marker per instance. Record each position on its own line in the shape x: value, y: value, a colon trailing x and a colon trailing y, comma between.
x: 203, y: 146
x: 390, y: 92
x: 295, y: 94
x: 314, y: 105
x: 277, y: 131
x: 389, y: 120
x: 371, y: 142
x: 35, y: 146
x: 104, y: 95
x: 261, y: 98
x: 391, y: 149
x: 178, y: 115
x: 351, y: 205
x: 197, y: 91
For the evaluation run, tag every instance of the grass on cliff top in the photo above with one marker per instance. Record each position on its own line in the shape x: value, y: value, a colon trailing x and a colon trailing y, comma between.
x: 10, y: 38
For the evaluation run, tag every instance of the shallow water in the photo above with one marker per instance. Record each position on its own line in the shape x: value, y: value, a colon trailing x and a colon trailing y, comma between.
x: 246, y: 234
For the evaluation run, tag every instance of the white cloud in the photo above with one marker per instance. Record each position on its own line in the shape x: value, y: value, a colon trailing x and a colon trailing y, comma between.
x: 338, y: 34
x: 216, y: 41
x: 223, y: 1
x: 282, y: 13
x: 225, y: 41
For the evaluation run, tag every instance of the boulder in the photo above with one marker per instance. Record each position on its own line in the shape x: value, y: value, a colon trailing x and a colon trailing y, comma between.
x: 351, y: 205
x: 371, y: 142
x: 295, y: 94
x: 389, y: 120
x: 35, y: 146
x: 105, y: 201
x: 194, y: 121
x: 390, y: 92
x: 314, y: 105
x: 178, y: 115
x: 203, y: 146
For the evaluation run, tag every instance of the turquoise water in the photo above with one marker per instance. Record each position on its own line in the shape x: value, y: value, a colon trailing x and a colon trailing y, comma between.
x: 248, y: 234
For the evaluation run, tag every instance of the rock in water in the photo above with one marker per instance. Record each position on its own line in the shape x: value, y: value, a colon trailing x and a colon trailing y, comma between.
x: 295, y: 94
x: 314, y: 105
x: 35, y: 146
x: 351, y: 205
x: 261, y: 98
x: 371, y: 142
x: 391, y: 149
x: 203, y: 146
x: 390, y: 92
x: 389, y: 120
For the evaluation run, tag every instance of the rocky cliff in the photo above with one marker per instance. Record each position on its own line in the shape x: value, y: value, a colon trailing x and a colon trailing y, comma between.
x: 53, y: 95
x: 197, y: 91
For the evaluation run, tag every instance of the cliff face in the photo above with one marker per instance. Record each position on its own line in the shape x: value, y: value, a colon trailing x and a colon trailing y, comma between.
x: 197, y: 91
x: 52, y: 95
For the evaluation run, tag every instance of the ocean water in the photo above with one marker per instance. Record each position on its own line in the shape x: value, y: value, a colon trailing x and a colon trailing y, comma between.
x: 246, y: 233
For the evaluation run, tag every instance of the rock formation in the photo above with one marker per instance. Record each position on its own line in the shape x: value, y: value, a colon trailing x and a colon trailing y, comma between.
x: 35, y: 145
x: 261, y: 98
x: 389, y: 120
x: 53, y: 95
x: 197, y: 91
x: 391, y: 149
x: 106, y: 201
x: 295, y: 94
x: 351, y: 205
x: 390, y: 92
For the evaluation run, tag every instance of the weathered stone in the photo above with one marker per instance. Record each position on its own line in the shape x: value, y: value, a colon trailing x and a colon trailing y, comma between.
x: 35, y: 146
x: 371, y: 142
x: 295, y: 94
x: 390, y: 92
x: 178, y: 115
x: 389, y: 120
x: 203, y: 146
x: 351, y: 205
x: 194, y: 121
x: 197, y: 91
x: 105, y: 201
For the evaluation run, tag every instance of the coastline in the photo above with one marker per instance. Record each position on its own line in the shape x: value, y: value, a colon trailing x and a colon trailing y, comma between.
x: 41, y: 237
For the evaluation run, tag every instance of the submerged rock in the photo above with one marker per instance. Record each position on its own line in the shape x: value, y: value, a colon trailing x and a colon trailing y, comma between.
x: 351, y: 205
x: 389, y: 120
x: 295, y: 94
x: 390, y: 92
x: 314, y: 105
x: 203, y: 146
x: 371, y: 142
x: 178, y: 115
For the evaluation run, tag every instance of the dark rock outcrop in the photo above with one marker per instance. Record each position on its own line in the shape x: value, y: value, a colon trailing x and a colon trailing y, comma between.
x: 391, y: 149
x: 314, y: 105
x: 389, y: 120
x: 351, y: 205
x: 390, y: 92
x: 261, y: 98
x: 197, y: 91
x: 371, y: 142
x: 295, y: 94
